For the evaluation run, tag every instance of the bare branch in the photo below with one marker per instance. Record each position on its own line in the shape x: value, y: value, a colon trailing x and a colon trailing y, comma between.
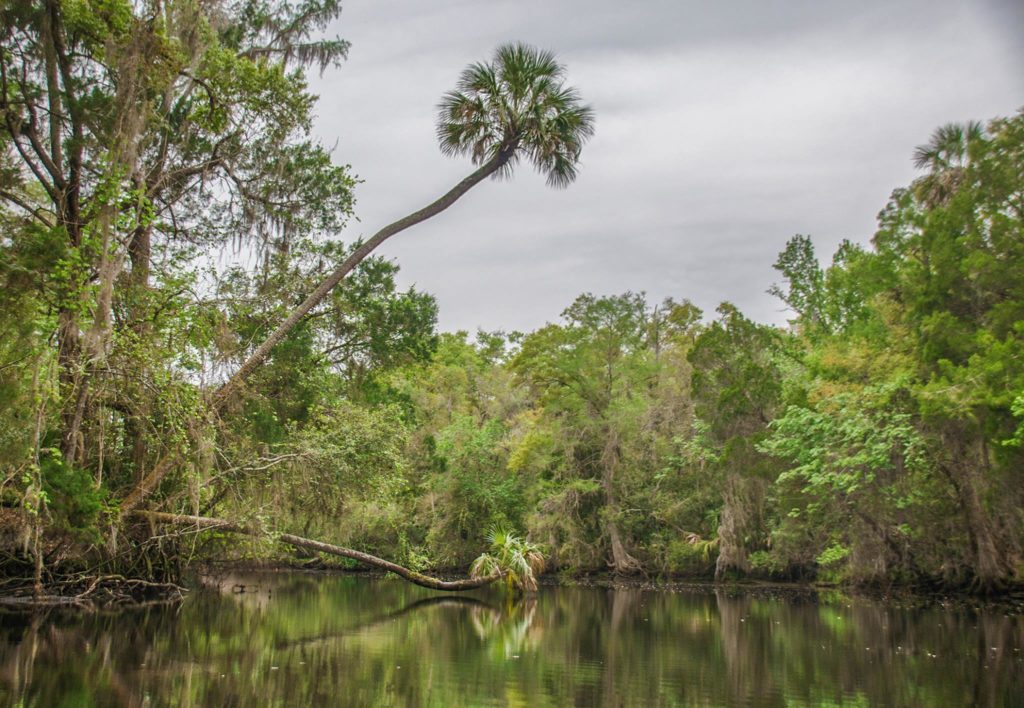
x: 36, y: 212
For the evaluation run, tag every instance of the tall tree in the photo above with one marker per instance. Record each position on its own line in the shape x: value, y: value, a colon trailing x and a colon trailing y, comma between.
x: 134, y: 136
x: 513, y: 108
x: 961, y: 282
x: 737, y: 390
x: 592, y: 375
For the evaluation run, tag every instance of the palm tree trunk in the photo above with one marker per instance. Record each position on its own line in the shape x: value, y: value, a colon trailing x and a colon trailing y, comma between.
x: 148, y: 483
x: 318, y: 295
x: 205, y: 522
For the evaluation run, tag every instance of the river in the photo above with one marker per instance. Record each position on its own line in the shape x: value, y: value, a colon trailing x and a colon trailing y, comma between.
x: 306, y: 639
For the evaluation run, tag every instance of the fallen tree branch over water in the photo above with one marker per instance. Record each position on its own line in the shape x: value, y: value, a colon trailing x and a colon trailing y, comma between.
x: 206, y: 522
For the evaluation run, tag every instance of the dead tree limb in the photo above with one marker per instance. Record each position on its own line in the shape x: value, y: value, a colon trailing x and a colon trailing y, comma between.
x: 206, y: 522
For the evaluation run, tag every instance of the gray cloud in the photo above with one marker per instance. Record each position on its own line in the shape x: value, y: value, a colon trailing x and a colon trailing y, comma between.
x: 723, y: 129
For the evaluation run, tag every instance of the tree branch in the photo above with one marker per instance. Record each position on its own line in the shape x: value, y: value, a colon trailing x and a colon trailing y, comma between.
x: 205, y: 522
x: 37, y: 212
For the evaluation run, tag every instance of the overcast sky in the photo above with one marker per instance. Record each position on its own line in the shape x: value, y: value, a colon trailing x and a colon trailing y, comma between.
x: 723, y: 128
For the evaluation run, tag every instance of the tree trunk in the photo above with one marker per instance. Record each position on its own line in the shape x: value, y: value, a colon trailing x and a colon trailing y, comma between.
x: 622, y: 561
x: 140, y: 249
x: 205, y: 522
x: 140, y: 257
x: 992, y: 565
x: 220, y: 398
x: 732, y: 554
x: 324, y: 289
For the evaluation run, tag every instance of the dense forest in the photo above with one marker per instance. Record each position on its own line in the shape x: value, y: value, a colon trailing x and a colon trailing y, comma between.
x: 184, y: 331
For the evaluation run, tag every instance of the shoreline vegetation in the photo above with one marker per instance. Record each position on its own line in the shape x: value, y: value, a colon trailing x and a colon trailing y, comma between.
x: 117, y: 593
x: 301, y: 398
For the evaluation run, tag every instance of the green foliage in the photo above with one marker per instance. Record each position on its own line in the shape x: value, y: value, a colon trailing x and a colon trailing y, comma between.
x: 799, y: 266
x: 833, y: 554
x: 848, y: 442
x: 183, y: 208
x: 736, y: 385
x: 517, y: 561
x: 692, y: 555
x: 1017, y: 440
x: 72, y: 499
x: 833, y: 301
x: 473, y: 461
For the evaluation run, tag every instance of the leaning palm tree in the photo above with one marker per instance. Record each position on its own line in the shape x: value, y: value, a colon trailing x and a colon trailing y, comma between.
x: 945, y: 157
x: 514, y: 107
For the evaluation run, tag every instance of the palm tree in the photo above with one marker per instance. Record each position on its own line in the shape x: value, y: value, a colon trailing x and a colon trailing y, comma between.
x: 945, y: 157
x: 515, y: 559
x: 514, y: 107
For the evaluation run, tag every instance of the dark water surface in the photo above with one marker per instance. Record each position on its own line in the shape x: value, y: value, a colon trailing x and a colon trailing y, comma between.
x: 311, y: 640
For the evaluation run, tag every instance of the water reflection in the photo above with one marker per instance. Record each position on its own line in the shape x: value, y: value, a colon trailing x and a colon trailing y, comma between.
x: 303, y: 639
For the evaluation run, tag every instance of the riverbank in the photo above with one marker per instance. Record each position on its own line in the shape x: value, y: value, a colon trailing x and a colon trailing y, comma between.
x: 91, y: 593
x: 1010, y: 602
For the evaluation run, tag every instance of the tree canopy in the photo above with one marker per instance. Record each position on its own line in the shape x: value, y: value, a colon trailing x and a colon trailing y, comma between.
x: 185, y: 335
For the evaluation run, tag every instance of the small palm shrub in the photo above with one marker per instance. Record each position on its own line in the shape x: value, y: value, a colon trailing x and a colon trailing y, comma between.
x: 515, y: 559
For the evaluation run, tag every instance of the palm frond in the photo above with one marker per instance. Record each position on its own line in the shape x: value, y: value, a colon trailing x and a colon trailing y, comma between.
x: 516, y: 106
x: 517, y: 560
x: 945, y: 157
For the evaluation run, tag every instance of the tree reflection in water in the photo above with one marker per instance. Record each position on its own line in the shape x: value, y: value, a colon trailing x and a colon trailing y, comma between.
x: 302, y: 639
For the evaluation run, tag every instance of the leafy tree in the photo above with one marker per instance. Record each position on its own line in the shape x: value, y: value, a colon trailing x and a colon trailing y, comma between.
x: 121, y: 128
x: 592, y: 376
x: 799, y: 265
x: 463, y: 406
x: 860, y: 467
x: 136, y: 140
x: 736, y: 390
x: 965, y: 305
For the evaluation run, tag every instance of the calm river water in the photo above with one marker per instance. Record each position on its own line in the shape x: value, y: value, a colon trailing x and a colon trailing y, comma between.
x: 312, y: 640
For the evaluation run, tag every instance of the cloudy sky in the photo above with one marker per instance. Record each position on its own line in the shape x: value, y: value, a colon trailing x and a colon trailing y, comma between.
x: 723, y: 128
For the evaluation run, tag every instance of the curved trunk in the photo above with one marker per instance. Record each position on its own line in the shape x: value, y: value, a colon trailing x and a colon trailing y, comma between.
x: 148, y: 483
x: 622, y: 562
x: 205, y: 522
x: 318, y: 295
